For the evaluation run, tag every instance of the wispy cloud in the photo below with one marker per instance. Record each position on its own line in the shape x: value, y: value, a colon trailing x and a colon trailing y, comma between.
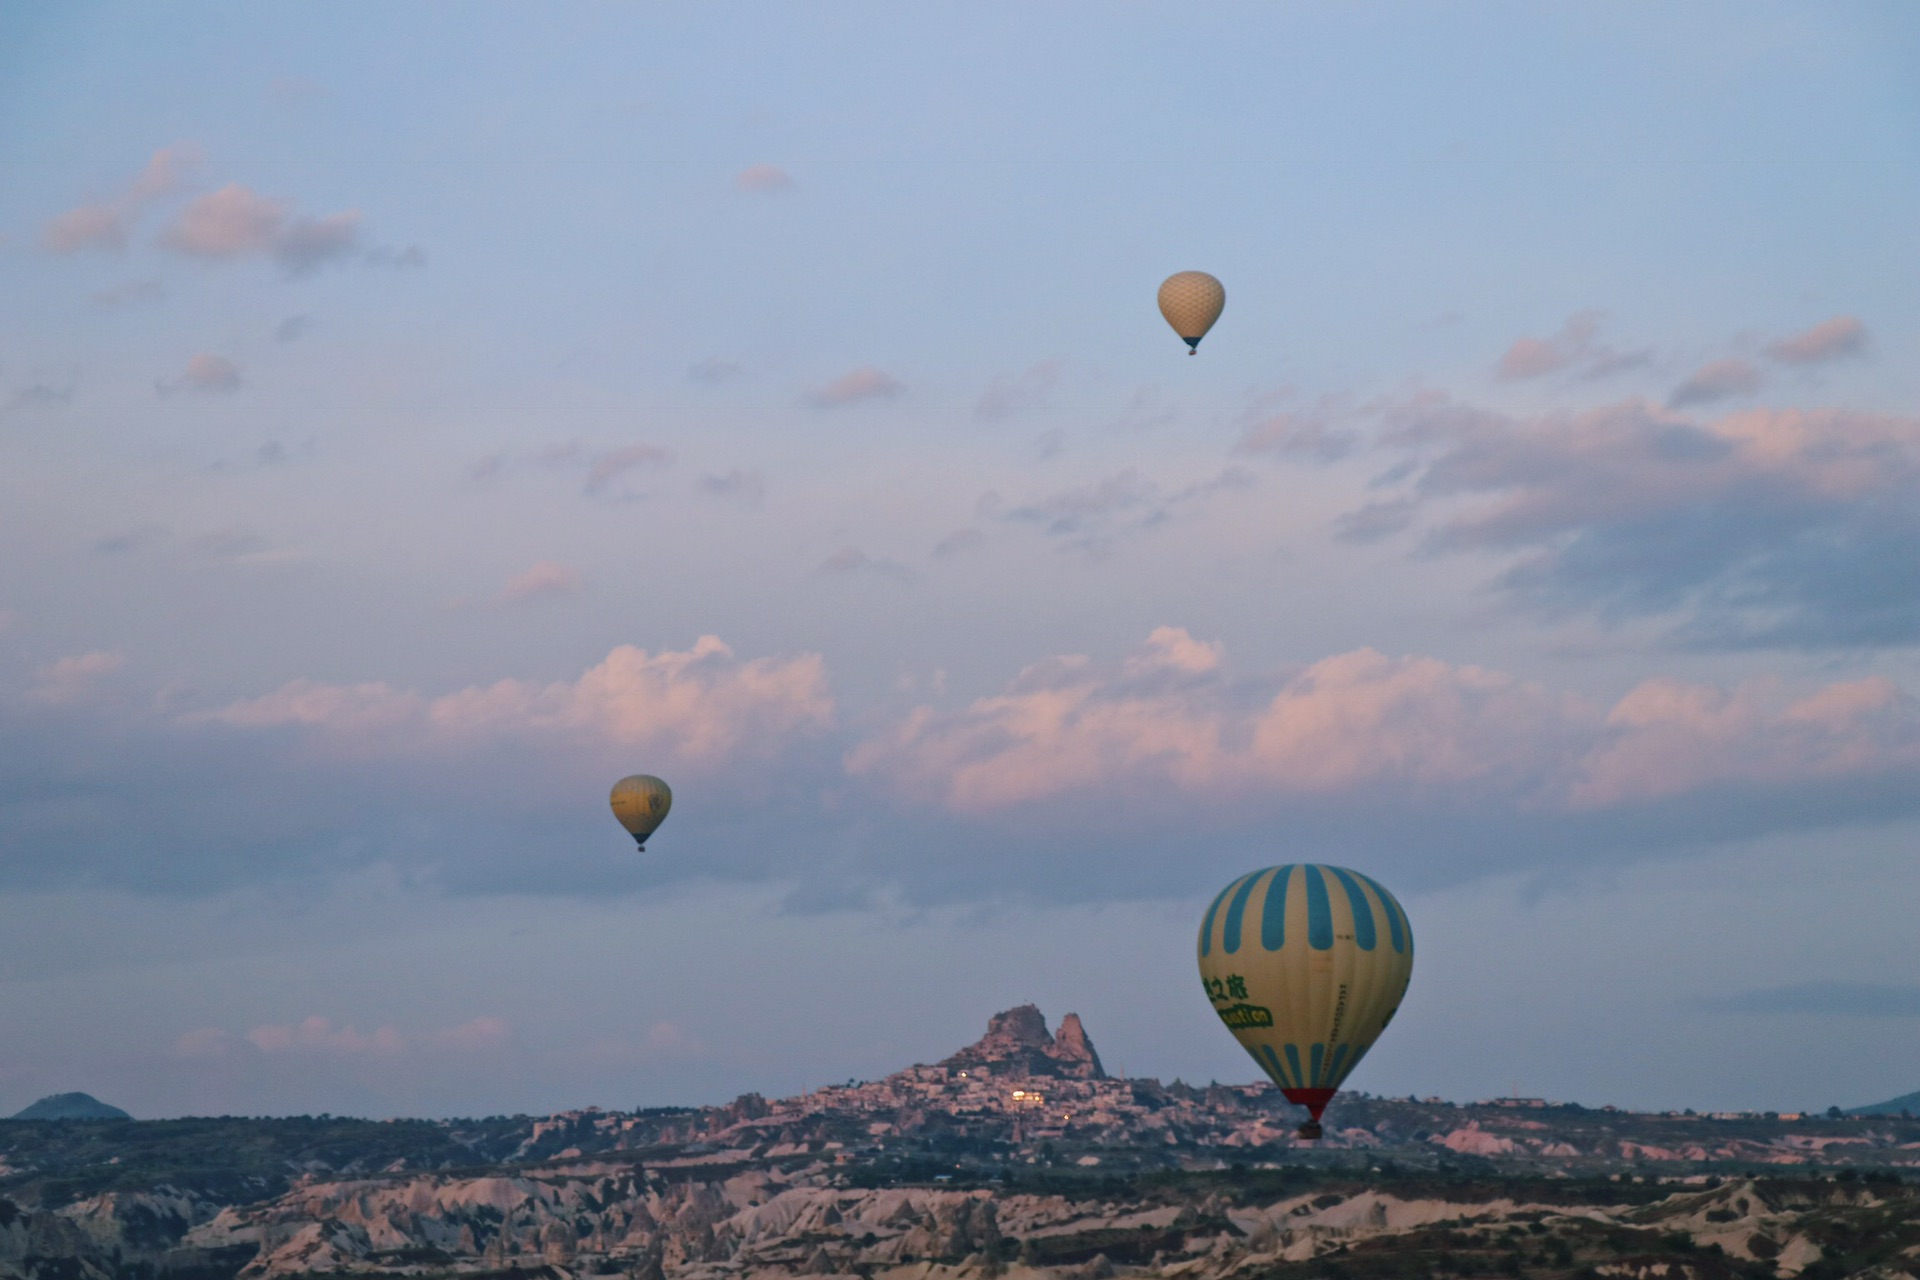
x: 130, y: 293
x: 1764, y: 526
x: 764, y: 180
x: 862, y: 384
x: 206, y: 373
x: 1832, y: 999
x: 714, y: 372
x: 545, y: 579
x: 1718, y: 380
x: 740, y: 485
x: 611, y: 465
x: 1835, y: 339
x: 852, y: 560
x: 76, y: 678
x: 1024, y: 392
x: 107, y: 225
x: 1090, y: 517
x: 1576, y: 348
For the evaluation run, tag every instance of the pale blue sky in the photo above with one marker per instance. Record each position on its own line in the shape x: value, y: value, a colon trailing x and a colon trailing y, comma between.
x: 1537, y: 531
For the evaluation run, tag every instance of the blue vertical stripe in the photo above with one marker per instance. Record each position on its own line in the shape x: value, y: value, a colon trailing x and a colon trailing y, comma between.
x: 1206, y: 927
x: 1293, y: 1059
x: 1273, y: 913
x: 1363, y: 934
x: 1339, y: 1058
x: 1230, y: 935
x: 1319, y: 911
x: 1319, y: 1052
x: 1396, y: 932
x: 1274, y: 1067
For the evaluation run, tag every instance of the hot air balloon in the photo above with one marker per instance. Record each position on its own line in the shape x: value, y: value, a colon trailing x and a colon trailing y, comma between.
x: 1191, y: 302
x: 1306, y: 965
x: 641, y: 802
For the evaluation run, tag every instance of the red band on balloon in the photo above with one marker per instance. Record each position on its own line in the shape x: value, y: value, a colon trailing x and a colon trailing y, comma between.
x: 1314, y: 1100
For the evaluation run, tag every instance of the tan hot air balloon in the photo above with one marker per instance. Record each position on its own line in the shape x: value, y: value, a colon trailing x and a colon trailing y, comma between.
x: 1191, y: 301
x: 641, y: 802
x: 1306, y: 965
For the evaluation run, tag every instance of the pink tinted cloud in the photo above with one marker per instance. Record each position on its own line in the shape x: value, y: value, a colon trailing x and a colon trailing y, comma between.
x: 545, y: 578
x: 106, y: 225
x: 698, y: 707
x: 864, y: 383
x: 318, y: 1035
x: 1173, y: 716
x: 1834, y: 339
x: 206, y: 373
x: 765, y: 179
x: 75, y: 678
x: 1718, y: 380
x: 237, y: 222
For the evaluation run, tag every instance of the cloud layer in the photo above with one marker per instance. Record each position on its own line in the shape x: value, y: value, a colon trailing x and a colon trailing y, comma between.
x: 1761, y: 527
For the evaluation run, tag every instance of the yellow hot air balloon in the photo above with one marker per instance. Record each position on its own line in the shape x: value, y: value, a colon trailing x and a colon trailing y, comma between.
x: 1306, y: 965
x: 1191, y: 302
x: 640, y: 803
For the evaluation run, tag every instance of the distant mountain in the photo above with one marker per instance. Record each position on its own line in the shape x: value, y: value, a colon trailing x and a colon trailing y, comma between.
x: 1908, y: 1102
x: 71, y: 1106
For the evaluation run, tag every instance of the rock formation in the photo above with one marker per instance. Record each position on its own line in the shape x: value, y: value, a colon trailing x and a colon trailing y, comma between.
x: 1017, y: 1044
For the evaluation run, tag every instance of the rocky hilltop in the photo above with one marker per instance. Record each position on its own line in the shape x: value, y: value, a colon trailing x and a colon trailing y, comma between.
x: 1018, y: 1046
x: 1017, y: 1158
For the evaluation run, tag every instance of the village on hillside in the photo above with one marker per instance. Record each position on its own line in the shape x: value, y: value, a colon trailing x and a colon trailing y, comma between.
x: 1016, y: 1154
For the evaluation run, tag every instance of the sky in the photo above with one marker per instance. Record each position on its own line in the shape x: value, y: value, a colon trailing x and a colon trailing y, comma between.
x: 413, y: 419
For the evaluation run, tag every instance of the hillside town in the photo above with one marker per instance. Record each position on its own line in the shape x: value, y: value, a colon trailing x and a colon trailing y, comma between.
x: 1017, y: 1156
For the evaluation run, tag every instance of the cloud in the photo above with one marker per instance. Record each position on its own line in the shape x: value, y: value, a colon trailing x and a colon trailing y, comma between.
x: 1360, y: 726
x: 1719, y: 380
x: 610, y: 466
x: 106, y: 225
x: 39, y: 394
x: 864, y: 383
x: 546, y: 578
x: 1763, y: 526
x: 1024, y: 392
x: 698, y: 707
x: 744, y: 486
x: 76, y: 678
x: 1834, y: 999
x: 1576, y: 348
x: 85, y: 227
x: 1090, y: 517
x: 852, y: 560
x: 237, y: 222
x: 206, y: 373
x: 318, y: 1035
x: 959, y: 540
x: 1834, y: 339
x: 764, y: 179
x: 293, y: 328
x: 133, y: 291
x: 1318, y: 434
x: 714, y: 372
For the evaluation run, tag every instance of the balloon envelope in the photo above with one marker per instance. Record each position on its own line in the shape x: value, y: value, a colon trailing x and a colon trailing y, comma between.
x: 1306, y: 964
x: 1191, y: 301
x: 640, y: 802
